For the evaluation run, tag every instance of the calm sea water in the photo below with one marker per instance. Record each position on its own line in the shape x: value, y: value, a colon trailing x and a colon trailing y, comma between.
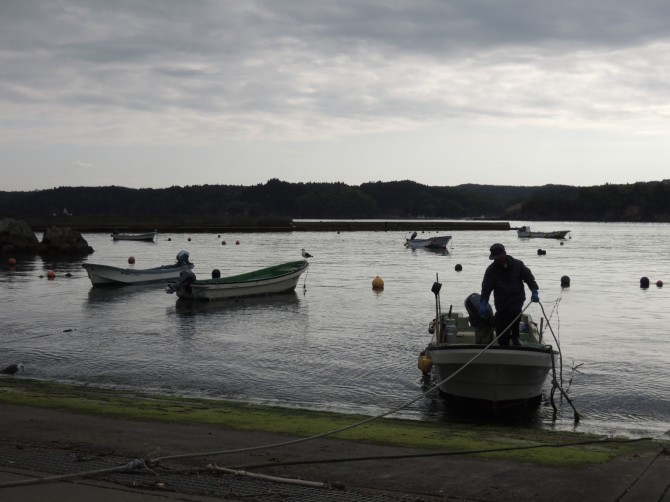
x: 335, y: 344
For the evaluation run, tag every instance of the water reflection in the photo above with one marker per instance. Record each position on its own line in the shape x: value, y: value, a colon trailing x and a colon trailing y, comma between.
x: 284, y: 301
x: 115, y: 294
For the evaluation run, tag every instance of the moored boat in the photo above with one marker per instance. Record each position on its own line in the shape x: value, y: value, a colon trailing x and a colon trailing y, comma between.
x: 147, y: 237
x: 273, y: 280
x: 106, y: 275
x: 437, y: 242
x: 470, y: 368
x: 525, y: 232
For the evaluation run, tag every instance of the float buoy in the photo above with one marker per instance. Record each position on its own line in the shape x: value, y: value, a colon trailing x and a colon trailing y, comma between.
x: 659, y: 283
x: 131, y: 259
x: 68, y: 274
x: 425, y: 363
x: 169, y: 238
x: 565, y: 281
x: 644, y: 282
x: 458, y: 267
x: 11, y: 262
x: 237, y: 242
x: 223, y: 243
x: 189, y: 239
x: 377, y: 283
x: 51, y: 274
x: 216, y: 273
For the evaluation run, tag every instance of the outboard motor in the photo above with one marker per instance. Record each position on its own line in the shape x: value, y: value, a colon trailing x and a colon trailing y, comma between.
x: 483, y: 325
x: 186, y: 277
x: 182, y: 258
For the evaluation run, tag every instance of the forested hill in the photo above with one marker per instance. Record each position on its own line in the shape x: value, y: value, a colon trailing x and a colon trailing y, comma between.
x: 648, y: 202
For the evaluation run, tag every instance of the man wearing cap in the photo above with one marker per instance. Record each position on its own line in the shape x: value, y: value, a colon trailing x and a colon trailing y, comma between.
x: 505, y: 277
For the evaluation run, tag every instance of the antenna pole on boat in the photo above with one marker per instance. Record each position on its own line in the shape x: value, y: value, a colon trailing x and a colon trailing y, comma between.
x: 436, y: 291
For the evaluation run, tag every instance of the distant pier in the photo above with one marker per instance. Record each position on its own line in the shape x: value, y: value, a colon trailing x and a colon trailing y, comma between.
x: 395, y: 225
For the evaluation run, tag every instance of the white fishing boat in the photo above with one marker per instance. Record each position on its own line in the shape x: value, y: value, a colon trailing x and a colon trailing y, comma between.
x: 147, y: 237
x: 437, y: 242
x: 470, y: 368
x: 106, y: 275
x: 273, y: 280
x: 525, y: 233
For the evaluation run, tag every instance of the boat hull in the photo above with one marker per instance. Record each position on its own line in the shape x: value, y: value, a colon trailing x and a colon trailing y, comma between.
x: 271, y: 281
x: 499, y: 375
x: 432, y: 243
x: 104, y: 275
x: 147, y: 237
x: 559, y: 234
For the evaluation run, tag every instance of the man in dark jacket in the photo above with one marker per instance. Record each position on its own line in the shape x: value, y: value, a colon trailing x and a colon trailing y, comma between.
x: 505, y: 277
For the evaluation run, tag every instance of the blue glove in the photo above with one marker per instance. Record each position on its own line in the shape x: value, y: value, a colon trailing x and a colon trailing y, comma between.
x: 482, y: 308
x: 535, y: 296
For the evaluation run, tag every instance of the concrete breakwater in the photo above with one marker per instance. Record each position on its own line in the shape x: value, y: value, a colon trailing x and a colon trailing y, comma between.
x: 252, y: 224
x: 396, y: 225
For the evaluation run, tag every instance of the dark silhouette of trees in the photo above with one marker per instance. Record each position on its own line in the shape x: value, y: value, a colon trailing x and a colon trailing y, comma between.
x: 649, y: 201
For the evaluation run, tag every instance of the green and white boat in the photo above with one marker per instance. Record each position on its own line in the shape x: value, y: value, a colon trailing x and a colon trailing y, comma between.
x: 277, y: 279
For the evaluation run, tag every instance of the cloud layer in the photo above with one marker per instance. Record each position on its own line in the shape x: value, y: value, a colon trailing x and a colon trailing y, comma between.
x: 202, y: 74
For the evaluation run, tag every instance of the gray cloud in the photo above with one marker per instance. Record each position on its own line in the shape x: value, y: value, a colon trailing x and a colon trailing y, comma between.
x: 203, y: 72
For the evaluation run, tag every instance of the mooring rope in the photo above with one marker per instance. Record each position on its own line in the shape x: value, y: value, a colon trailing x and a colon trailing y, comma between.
x: 351, y: 426
x: 146, y: 463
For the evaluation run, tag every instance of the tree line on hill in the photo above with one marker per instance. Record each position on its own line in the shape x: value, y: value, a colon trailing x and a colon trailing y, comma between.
x: 642, y: 202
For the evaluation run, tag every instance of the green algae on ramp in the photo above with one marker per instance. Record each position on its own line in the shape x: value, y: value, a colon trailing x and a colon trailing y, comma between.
x: 514, y: 443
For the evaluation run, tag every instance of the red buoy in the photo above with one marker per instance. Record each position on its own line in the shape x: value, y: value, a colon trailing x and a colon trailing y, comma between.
x: 51, y: 274
x: 11, y: 262
x: 131, y: 259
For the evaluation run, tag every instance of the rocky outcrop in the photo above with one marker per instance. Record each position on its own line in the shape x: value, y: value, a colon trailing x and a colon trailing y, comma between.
x: 64, y: 241
x: 16, y: 237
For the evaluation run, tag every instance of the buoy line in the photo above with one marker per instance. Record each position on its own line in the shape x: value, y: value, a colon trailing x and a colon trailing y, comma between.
x: 147, y: 462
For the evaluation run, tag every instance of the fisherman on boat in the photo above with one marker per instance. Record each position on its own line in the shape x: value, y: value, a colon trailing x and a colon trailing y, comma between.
x: 505, y: 277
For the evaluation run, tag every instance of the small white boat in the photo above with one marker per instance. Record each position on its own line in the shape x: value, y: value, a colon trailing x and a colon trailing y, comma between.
x: 437, y: 242
x: 273, y: 280
x: 494, y: 377
x: 148, y: 237
x: 105, y: 275
x: 525, y: 233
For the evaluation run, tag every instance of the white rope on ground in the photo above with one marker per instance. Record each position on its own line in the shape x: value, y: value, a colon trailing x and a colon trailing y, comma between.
x: 265, y: 477
x: 130, y: 466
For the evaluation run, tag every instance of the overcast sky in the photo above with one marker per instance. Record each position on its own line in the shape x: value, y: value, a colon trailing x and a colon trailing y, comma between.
x: 186, y: 92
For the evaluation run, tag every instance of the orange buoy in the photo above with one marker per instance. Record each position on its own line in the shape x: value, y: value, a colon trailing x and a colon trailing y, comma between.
x: 131, y: 259
x: 425, y: 363
x: 51, y: 274
x: 377, y: 283
x: 11, y: 262
x: 659, y: 283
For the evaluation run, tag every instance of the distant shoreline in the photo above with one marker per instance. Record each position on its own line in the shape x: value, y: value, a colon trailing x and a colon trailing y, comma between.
x: 254, y: 224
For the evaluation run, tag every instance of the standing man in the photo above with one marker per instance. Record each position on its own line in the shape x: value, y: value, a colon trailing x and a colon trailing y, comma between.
x: 505, y: 277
